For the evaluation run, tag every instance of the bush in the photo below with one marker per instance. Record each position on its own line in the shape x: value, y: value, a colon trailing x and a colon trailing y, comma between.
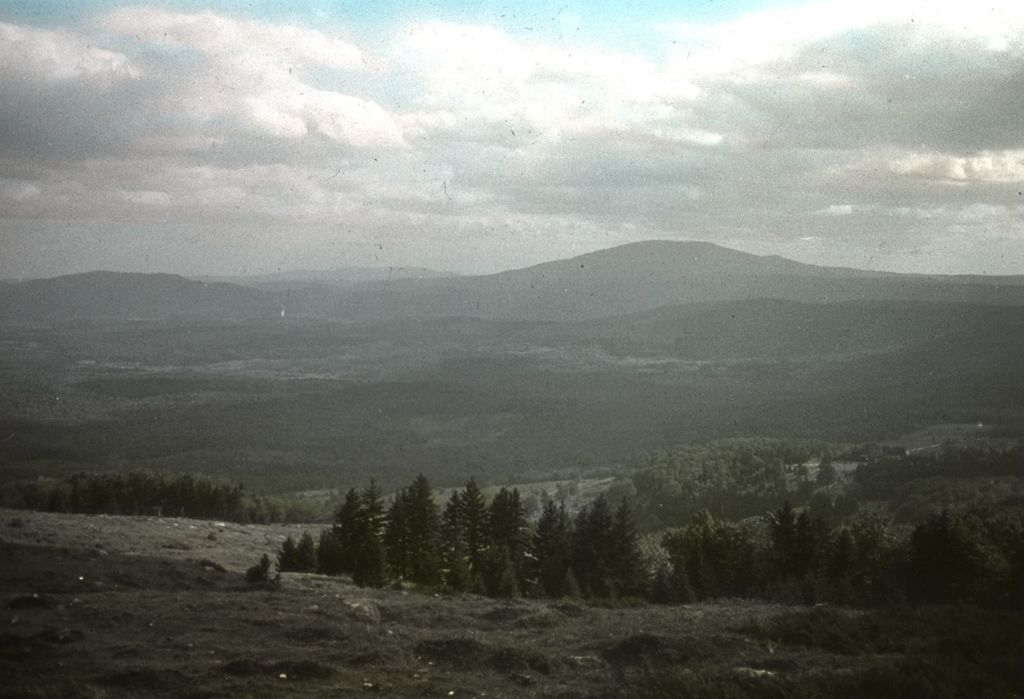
x: 259, y: 573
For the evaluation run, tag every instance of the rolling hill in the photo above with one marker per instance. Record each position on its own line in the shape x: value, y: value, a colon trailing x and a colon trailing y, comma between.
x: 628, y: 279
x: 647, y: 275
x: 118, y: 295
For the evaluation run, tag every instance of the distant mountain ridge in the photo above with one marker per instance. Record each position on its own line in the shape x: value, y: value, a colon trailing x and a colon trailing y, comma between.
x: 341, y: 277
x: 633, y: 278
x: 647, y: 275
x: 129, y: 295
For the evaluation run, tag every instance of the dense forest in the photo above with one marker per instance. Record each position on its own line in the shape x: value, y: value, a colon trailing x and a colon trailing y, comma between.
x: 145, y: 493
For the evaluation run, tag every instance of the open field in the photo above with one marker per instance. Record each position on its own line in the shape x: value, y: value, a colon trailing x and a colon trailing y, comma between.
x: 149, y: 607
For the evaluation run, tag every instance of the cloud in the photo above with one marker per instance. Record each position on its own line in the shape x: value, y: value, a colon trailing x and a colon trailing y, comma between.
x: 1001, y: 166
x: 840, y: 132
x: 59, y: 56
x: 258, y: 75
x: 546, y: 93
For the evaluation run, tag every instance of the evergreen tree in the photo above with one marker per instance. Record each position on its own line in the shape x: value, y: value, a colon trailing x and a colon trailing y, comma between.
x: 287, y: 557
x: 592, y: 550
x: 504, y: 581
x: 423, y: 533
x: 627, y: 565
x: 329, y: 554
x: 397, y: 537
x: 305, y: 554
x: 346, y: 530
x: 458, y: 577
x: 946, y: 561
x: 551, y: 549
x: 370, y: 566
x: 475, y: 531
x: 453, y: 550
x: 509, y: 533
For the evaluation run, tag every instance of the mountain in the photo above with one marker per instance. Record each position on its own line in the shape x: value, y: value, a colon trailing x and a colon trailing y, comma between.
x: 648, y: 275
x: 633, y: 278
x: 119, y: 295
x: 343, y: 277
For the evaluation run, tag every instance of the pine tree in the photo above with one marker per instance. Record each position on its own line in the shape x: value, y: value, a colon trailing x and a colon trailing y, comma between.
x: 627, y: 565
x: 329, y: 554
x: 305, y: 554
x: 476, y: 534
x: 370, y: 557
x: 592, y: 549
x: 551, y: 549
x: 423, y: 533
x: 346, y: 529
x: 453, y: 550
x: 509, y: 532
x: 397, y: 536
x: 371, y: 565
x: 457, y: 577
x: 287, y: 559
x: 504, y: 582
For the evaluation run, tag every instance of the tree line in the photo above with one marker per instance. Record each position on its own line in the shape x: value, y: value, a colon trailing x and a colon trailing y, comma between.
x: 475, y: 545
x: 788, y: 555
x: 144, y: 493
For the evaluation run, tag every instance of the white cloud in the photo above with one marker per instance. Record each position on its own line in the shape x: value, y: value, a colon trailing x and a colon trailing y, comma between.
x: 838, y: 210
x: 59, y: 56
x: 1001, y: 166
x: 777, y: 35
x: 246, y: 44
x: 817, y: 127
x: 482, y: 74
x: 254, y: 72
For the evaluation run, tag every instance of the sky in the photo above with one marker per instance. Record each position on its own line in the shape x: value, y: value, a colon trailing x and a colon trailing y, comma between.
x: 251, y: 137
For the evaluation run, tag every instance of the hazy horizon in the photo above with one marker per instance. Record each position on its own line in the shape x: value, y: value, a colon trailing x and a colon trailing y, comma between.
x: 441, y: 273
x: 205, y: 138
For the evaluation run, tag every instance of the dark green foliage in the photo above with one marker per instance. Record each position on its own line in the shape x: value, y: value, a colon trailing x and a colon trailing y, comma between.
x: 628, y: 568
x: 466, y: 539
x: 734, y: 478
x: 286, y: 557
x: 551, y: 550
x: 371, y: 564
x: 330, y: 555
x: 509, y: 538
x: 865, y: 564
x: 369, y: 555
x: 969, y: 558
x: 712, y: 558
x: 593, y: 550
x: 298, y: 557
x: 306, y: 554
x: 502, y: 579
x: 146, y: 493
x: 453, y: 553
x: 346, y: 530
x: 260, y: 572
x: 412, y: 534
x: 458, y: 577
x: 797, y: 540
x: 473, y: 514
